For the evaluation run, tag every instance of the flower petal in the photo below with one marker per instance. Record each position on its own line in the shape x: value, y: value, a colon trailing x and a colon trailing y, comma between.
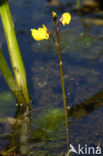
x: 54, y: 15
x: 40, y: 34
x: 65, y: 19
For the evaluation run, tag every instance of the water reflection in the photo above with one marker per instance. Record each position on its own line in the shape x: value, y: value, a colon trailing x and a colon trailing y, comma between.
x: 19, y: 137
x: 46, y: 127
x: 87, y: 106
x: 99, y: 55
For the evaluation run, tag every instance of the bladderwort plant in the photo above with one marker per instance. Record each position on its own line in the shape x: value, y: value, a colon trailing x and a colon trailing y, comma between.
x: 17, y: 82
x: 44, y: 34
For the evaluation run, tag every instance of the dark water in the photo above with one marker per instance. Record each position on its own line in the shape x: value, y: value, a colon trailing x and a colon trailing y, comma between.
x: 42, y: 132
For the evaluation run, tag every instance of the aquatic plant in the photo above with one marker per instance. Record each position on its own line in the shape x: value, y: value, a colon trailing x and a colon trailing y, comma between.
x: 40, y: 34
x: 44, y: 33
x: 78, y: 4
x: 18, y: 82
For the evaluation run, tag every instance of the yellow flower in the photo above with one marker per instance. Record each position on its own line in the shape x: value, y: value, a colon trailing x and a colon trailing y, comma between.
x: 65, y: 19
x: 54, y: 14
x: 40, y: 34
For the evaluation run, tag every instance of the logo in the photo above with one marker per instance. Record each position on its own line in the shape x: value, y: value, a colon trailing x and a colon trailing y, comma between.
x: 85, y: 150
x: 72, y: 149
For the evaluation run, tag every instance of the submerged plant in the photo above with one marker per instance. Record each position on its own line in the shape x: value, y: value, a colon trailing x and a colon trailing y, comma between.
x: 42, y: 34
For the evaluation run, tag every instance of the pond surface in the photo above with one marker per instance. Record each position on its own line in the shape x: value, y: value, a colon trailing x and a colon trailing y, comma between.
x: 42, y: 132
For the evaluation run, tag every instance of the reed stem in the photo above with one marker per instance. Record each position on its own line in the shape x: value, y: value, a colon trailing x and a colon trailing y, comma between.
x: 9, y: 78
x: 14, y: 51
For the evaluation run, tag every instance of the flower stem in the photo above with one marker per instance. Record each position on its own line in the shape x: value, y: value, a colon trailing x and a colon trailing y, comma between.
x: 14, y: 51
x: 62, y: 81
x: 78, y: 4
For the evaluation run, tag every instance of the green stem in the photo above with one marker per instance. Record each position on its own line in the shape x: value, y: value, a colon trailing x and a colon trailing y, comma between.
x: 14, y: 52
x: 78, y: 4
x: 9, y: 78
x: 62, y: 81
